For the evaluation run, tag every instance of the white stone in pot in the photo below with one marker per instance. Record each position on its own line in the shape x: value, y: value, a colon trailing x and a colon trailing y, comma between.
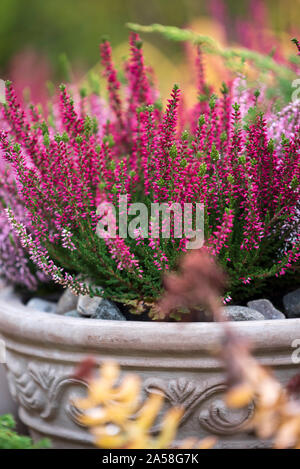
x: 67, y: 302
x: 42, y: 305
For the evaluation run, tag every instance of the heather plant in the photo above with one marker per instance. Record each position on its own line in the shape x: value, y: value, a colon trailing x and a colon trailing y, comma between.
x: 211, y: 154
x: 15, y: 265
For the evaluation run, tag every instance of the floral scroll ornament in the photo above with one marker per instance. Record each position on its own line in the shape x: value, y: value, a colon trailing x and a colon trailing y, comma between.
x: 40, y: 387
x: 214, y: 415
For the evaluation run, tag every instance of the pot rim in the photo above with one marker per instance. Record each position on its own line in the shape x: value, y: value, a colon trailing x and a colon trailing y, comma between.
x: 17, y: 320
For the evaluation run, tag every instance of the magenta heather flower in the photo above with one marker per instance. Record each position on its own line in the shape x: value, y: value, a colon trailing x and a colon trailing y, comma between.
x: 224, y: 153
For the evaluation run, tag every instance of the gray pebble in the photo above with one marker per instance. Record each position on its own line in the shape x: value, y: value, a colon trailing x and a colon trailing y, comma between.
x: 242, y: 313
x: 266, y: 308
x: 99, y: 308
x: 291, y: 303
x: 42, y: 305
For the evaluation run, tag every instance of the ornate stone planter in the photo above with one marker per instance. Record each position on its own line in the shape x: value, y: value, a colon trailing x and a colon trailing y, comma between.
x: 174, y: 359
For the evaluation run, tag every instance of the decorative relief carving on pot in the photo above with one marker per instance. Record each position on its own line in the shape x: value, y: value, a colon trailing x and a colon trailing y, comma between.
x: 192, y: 395
x: 72, y: 411
x: 178, y: 392
x: 217, y: 418
x: 39, y: 387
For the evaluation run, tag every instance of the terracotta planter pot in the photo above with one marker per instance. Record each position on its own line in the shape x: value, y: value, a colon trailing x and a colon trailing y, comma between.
x: 174, y: 359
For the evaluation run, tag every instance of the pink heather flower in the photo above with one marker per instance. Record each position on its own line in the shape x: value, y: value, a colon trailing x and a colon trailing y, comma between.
x: 14, y: 261
x: 67, y: 242
x: 39, y: 256
x: 284, y: 122
x: 219, y: 238
x: 124, y: 258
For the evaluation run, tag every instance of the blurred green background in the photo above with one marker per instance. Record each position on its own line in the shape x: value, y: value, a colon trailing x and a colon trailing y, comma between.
x: 33, y: 33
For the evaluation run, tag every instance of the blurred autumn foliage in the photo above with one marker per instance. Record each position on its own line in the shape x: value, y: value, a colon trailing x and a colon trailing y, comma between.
x: 34, y: 34
x: 118, y: 418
